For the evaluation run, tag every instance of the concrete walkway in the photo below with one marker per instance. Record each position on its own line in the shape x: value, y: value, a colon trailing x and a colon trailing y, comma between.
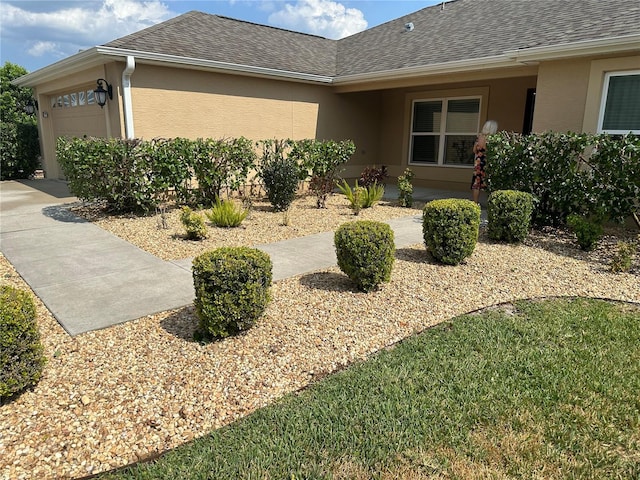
x: 90, y: 279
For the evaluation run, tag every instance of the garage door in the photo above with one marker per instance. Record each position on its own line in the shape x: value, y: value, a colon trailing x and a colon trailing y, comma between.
x: 75, y: 114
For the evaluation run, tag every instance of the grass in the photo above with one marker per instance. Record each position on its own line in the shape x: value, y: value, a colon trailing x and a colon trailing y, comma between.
x: 547, y: 389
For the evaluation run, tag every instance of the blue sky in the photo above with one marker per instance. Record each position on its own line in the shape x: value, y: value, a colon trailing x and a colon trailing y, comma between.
x: 35, y: 34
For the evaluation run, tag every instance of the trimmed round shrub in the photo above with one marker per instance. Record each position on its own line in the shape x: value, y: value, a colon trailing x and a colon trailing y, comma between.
x: 450, y: 228
x: 232, y: 289
x: 509, y: 214
x: 280, y: 177
x: 21, y: 353
x: 365, y: 252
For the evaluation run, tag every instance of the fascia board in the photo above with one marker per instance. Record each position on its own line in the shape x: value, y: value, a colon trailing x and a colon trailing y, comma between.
x: 628, y: 43
x: 97, y: 55
x: 485, y: 63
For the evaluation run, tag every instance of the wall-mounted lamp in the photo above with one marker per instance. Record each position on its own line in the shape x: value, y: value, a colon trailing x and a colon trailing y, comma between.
x: 101, y: 93
x: 31, y: 106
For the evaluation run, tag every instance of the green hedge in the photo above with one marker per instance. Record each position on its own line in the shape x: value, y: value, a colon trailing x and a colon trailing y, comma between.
x: 21, y: 353
x: 509, y: 215
x: 365, y: 252
x: 568, y: 173
x: 450, y: 229
x: 232, y: 289
x: 135, y: 175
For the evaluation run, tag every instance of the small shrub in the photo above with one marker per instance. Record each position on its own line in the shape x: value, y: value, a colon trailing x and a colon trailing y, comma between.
x: 623, y: 257
x: 588, y: 230
x: 450, y: 228
x: 280, y: 175
x: 365, y: 252
x: 509, y: 213
x: 232, y: 289
x: 371, y: 175
x: 405, y: 188
x: 21, y: 353
x: 226, y: 214
x: 193, y: 223
x: 361, y: 197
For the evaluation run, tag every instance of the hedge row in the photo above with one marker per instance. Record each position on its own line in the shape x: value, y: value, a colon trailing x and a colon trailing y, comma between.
x: 133, y: 175
x: 568, y: 173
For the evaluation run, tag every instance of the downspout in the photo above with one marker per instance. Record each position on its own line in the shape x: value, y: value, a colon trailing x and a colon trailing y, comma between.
x: 126, y: 97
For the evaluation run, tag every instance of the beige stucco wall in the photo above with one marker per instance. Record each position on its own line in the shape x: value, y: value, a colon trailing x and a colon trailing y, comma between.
x: 503, y: 100
x: 598, y: 69
x: 88, y: 120
x: 170, y: 102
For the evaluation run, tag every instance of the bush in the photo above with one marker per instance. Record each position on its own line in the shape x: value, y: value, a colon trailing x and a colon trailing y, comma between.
x: 21, y: 353
x: 623, y: 257
x: 568, y: 173
x: 450, y: 228
x: 226, y: 214
x: 509, y: 213
x: 371, y: 175
x: 193, y: 223
x: 322, y: 161
x: 588, y: 230
x: 232, y: 289
x: 279, y: 174
x: 365, y: 252
x: 405, y: 188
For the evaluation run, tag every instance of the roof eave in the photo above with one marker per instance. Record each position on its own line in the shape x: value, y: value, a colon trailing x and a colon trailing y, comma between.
x: 458, y: 66
x: 97, y: 55
x: 600, y: 46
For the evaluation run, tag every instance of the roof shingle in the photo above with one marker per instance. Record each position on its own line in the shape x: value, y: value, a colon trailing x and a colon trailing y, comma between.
x: 453, y: 31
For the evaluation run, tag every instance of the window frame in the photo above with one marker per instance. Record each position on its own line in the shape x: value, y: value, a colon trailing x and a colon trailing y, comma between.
x: 442, y: 133
x: 603, y: 101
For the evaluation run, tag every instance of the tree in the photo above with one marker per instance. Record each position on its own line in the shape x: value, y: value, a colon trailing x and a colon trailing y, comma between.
x: 18, y: 130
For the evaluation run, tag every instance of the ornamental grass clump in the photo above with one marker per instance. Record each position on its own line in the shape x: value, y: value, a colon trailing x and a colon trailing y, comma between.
x: 232, y: 289
x: 21, y: 352
x: 365, y: 252
x: 509, y: 214
x: 361, y: 196
x: 226, y: 214
x: 450, y: 229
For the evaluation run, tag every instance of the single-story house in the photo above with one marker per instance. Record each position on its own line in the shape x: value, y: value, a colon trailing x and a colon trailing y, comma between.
x: 411, y: 92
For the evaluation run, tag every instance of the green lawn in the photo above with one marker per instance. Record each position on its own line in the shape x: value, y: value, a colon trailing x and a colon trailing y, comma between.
x: 546, y: 389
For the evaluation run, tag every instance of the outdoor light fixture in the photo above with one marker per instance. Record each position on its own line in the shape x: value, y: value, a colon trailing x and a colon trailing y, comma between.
x: 31, y: 106
x: 101, y: 93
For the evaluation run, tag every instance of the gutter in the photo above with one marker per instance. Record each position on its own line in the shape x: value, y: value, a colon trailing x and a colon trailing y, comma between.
x: 97, y: 55
x: 126, y: 97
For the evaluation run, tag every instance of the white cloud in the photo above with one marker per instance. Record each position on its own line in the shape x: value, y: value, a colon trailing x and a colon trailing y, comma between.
x: 63, y: 32
x: 321, y: 17
x: 38, y: 49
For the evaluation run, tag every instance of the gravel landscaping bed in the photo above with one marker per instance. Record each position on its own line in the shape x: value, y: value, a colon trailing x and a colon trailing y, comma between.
x: 115, y: 396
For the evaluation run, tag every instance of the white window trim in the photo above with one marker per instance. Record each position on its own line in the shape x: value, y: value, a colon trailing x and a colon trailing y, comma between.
x: 442, y: 133
x: 603, y: 101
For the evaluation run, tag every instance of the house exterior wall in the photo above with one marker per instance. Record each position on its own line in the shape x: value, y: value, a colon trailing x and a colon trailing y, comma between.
x: 502, y: 99
x: 88, y: 120
x: 169, y: 102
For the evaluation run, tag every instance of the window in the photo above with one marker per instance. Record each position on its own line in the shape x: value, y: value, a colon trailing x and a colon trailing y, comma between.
x: 443, y: 131
x: 620, y: 108
x: 91, y: 99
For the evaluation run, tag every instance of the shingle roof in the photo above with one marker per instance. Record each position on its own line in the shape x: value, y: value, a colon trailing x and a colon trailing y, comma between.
x: 454, y: 30
x: 213, y: 37
x: 472, y: 29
